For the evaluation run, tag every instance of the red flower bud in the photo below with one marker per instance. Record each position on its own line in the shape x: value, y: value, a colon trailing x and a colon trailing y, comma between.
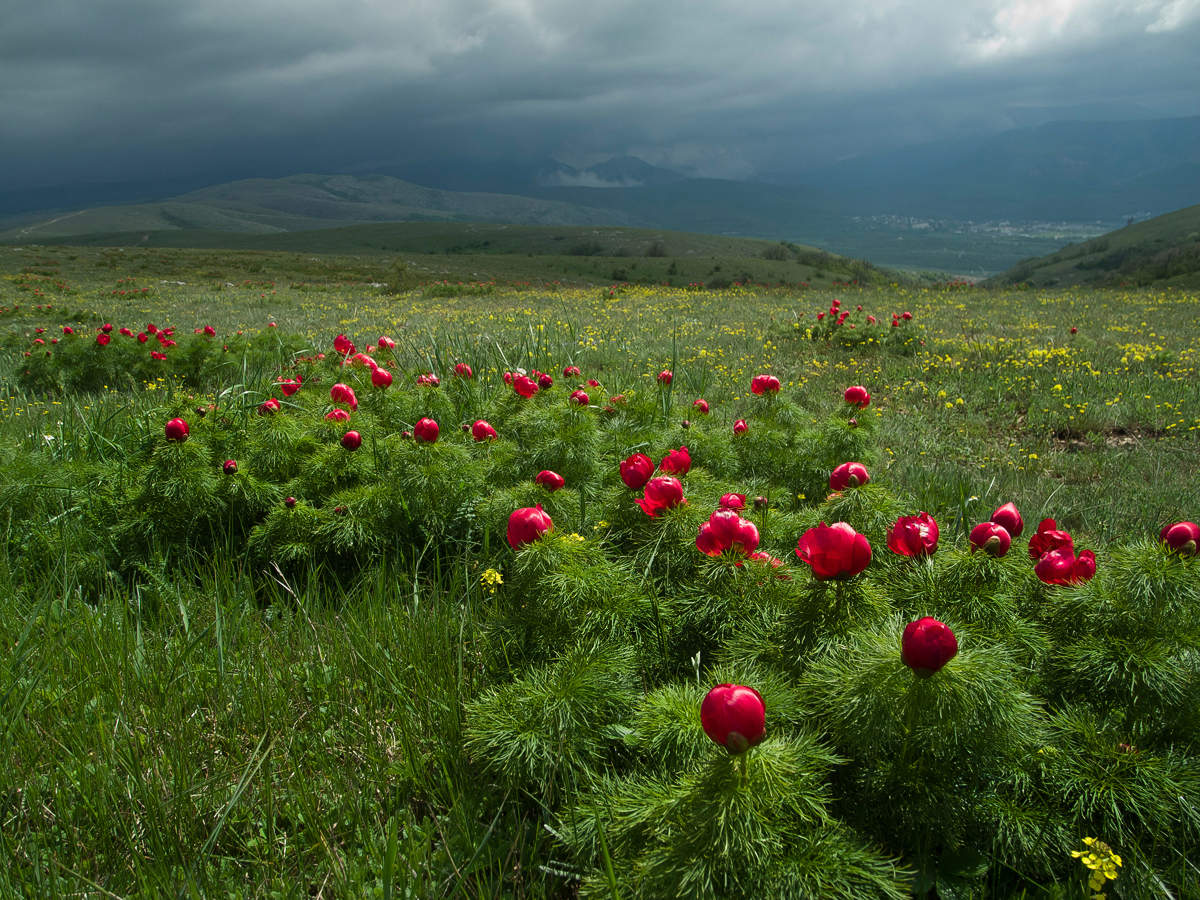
x: 740, y: 426
x: 579, y: 398
x: 551, y: 481
x: 665, y: 376
x: 343, y: 393
x: 337, y: 415
x: 426, y: 431
x: 1008, y: 516
x: 701, y: 404
x: 351, y: 440
x: 734, y: 716
x: 381, y: 378
x: 834, y: 551
x: 230, y: 467
x: 732, y: 501
x: 990, y: 537
x: 848, y: 475
x: 1182, y: 538
x: 177, y: 430
x: 571, y: 372
x: 545, y: 382
x: 290, y: 502
x: 636, y: 471
x: 527, y: 525
x: 927, y: 645
x: 482, y: 431
x: 914, y: 535
x: 462, y: 370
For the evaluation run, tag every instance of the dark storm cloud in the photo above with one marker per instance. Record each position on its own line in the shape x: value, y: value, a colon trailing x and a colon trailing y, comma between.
x: 119, y: 88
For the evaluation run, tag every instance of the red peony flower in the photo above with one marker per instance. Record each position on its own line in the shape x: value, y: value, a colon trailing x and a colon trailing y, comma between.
x: 1062, y: 566
x: 764, y: 384
x: 665, y: 376
x: 343, y: 345
x: 290, y: 502
x: 67, y: 329
x: 740, y: 427
x: 351, y: 440
x: 571, y: 372
x: 848, y: 475
x: 268, y: 407
x: 545, y: 382
x: 210, y: 331
x: 1008, y: 516
x: 337, y: 415
x: 289, y: 386
x: 177, y: 430
x: 428, y: 380
x: 726, y: 530
x: 579, y: 398
x: 661, y: 494
x: 525, y: 386
x: 834, y: 551
x: 677, y: 462
x: 125, y: 332
x: 155, y: 354
x: 381, y: 377
x: 990, y: 537
x: 527, y: 525
x: 426, y: 431
x: 106, y: 327
x: 343, y: 393
x: 142, y: 337
x: 230, y: 467
x: 1182, y: 538
x: 734, y: 716
x: 732, y: 501
x: 1048, y: 538
x: 857, y: 396
x: 482, y: 431
x: 551, y: 481
x: 914, y: 535
x: 636, y: 471
x: 701, y: 404
x: 462, y: 370
x: 386, y: 342
x: 927, y: 645
x: 103, y: 338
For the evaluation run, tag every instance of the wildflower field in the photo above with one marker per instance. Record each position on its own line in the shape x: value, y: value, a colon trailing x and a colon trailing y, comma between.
x: 312, y: 588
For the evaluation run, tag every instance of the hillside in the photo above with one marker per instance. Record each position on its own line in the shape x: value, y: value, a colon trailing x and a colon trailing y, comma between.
x: 1161, y: 251
x: 300, y: 202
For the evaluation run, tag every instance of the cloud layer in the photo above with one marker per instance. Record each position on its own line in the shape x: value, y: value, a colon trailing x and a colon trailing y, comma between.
x: 121, y: 88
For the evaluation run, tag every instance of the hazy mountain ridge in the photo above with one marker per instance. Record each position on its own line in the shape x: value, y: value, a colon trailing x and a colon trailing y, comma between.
x: 1164, y: 250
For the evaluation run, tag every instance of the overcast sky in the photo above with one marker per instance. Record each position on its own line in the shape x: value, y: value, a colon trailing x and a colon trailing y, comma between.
x: 112, y: 89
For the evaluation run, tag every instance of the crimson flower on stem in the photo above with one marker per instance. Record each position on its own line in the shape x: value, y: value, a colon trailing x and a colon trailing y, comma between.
x: 677, y: 462
x: 764, y: 384
x: 1047, y: 538
x: 858, y: 396
x: 1061, y: 566
x: 848, y: 475
x: 990, y: 537
x: 527, y: 525
x: 230, y: 467
x: 351, y: 440
x: 834, y: 551
x: 1182, y: 538
x: 732, y: 501
x: 386, y: 342
x: 734, y: 716
x: 103, y: 338
x: 914, y: 535
x: 177, y: 430
x: 661, y: 494
x: 343, y: 393
x: 381, y: 377
x: 579, y: 398
x: 1008, y: 516
x: 701, y: 404
x: 636, y: 471
x: 482, y: 431
x: 927, y: 645
x: 740, y: 426
x: 571, y: 372
x: 551, y: 481
x: 343, y: 345
x: 337, y: 415
x: 665, y: 376
x: 462, y: 370
x: 545, y: 382
x: 726, y: 530
x: 289, y: 386
x: 525, y: 386
x: 268, y: 407
x: 426, y: 431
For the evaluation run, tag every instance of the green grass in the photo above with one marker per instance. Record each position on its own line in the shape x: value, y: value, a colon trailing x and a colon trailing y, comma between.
x: 183, y: 717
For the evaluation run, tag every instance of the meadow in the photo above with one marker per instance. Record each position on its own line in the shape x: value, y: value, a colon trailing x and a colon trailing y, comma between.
x: 328, y: 671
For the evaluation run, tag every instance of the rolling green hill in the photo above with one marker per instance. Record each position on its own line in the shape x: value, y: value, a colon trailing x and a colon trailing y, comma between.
x: 1161, y: 251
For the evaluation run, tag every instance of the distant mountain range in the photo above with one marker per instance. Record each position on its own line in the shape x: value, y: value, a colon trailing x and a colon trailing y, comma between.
x: 907, y: 207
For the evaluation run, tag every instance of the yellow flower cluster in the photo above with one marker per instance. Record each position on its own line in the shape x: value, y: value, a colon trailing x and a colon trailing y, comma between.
x: 491, y: 579
x: 1103, y: 863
